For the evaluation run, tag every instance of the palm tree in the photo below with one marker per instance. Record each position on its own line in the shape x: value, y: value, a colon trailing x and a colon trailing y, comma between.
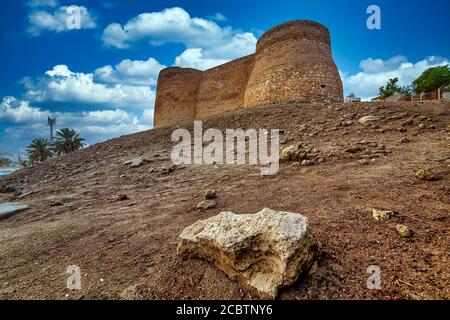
x: 67, y: 141
x: 38, y: 151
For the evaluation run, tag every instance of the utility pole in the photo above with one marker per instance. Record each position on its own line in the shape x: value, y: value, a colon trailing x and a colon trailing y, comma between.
x: 51, y: 123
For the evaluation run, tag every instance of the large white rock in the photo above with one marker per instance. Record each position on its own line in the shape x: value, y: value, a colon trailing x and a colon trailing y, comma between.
x: 264, y: 251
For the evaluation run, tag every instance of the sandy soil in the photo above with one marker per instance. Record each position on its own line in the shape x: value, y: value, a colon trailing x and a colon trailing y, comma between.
x: 127, y: 249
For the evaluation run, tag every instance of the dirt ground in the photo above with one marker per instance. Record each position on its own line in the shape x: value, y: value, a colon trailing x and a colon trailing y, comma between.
x: 126, y: 248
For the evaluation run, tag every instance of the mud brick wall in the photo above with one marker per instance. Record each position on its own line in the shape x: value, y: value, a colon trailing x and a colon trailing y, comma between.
x: 222, y: 88
x: 176, y: 95
x: 293, y: 61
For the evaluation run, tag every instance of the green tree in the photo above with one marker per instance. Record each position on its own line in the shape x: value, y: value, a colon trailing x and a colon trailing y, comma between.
x: 38, y: 151
x: 392, y: 87
x: 432, y: 79
x: 67, y: 141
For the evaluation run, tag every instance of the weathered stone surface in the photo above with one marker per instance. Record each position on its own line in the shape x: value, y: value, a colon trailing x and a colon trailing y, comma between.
x: 428, y: 174
x: 206, y: 204
x: 382, y: 215
x: 368, y: 119
x: 10, y: 208
x: 210, y: 194
x: 404, y: 231
x: 263, y: 251
x: 294, y: 152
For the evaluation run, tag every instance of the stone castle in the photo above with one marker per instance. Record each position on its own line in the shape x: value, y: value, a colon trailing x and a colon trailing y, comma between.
x: 293, y: 62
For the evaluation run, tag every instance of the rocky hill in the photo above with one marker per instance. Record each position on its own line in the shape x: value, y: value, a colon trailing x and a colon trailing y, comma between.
x: 119, y: 220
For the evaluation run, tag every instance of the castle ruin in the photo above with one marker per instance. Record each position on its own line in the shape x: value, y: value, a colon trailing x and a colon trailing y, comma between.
x: 293, y: 62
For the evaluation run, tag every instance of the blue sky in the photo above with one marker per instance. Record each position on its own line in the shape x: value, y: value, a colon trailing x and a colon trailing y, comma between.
x: 100, y: 78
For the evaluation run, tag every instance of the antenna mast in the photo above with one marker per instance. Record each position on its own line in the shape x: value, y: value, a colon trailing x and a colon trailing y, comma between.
x: 51, y: 123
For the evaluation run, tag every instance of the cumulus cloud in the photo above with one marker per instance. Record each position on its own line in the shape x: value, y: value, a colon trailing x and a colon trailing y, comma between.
x: 240, y: 45
x: 63, y: 85
x: 208, y: 44
x: 63, y: 19
x: 376, y: 72
x: 196, y: 58
x: 42, y: 3
x: 219, y: 17
x: 130, y: 72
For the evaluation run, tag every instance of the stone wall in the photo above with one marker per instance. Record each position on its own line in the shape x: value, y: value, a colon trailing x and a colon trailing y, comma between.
x: 292, y: 62
x: 222, y: 89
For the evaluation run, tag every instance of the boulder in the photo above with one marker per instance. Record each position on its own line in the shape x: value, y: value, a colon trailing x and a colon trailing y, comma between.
x: 264, y: 251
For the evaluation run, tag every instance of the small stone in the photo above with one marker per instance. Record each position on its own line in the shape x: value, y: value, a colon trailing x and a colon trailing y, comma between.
x: 382, y: 215
x: 294, y: 152
x: 368, y: 119
x: 404, y: 140
x: 404, y: 231
x: 56, y: 203
x: 206, y: 205
x: 210, y: 194
x: 421, y: 126
x: 428, y: 174
x: 346, y: 123
x: 364, y: 162
x: 354, y: 149
x: 122, y: 197
x: 307, y: 162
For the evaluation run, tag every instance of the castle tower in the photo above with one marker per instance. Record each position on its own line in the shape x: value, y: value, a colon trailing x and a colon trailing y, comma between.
x: 293, y: 62
x: 176, y: 95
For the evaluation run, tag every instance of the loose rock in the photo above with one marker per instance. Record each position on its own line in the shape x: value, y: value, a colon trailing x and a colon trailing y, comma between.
x: 428, y: 175
x: 206, y: 204
x: 382, y: 215
x: 294, y: 152
x: 210, y: 194
x: 263, y: 251
x: 404, y: 231
x: 368, y: 119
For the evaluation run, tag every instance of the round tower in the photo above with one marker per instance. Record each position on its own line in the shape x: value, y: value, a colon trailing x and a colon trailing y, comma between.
x: 293, y: 62
x: 176, y: 96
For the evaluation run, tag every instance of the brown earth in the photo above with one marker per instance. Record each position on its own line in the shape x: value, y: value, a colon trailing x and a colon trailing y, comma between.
x: 126, y: 245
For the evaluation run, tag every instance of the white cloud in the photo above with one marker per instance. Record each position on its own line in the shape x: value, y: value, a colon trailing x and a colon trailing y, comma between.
x: 376, y: 72
x: 59, y: 20
x: 131, y: 72
x: 208, y: 44
x: 219, y: 17
x: 62, y: 85
x: 42, y: 3
x: 240, y: 45
x: 195, y: 58
x: 169, y: 25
